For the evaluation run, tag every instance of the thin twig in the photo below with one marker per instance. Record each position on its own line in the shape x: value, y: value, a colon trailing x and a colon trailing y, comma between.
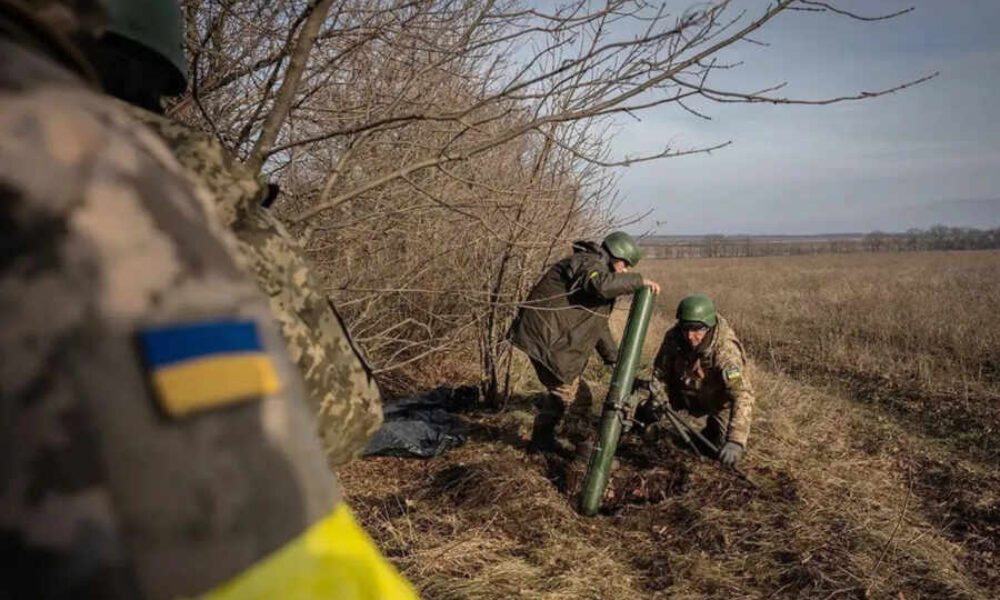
x: 895, y: 530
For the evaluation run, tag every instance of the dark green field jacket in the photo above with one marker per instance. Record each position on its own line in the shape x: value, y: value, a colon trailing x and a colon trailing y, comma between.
x: 566, y: 314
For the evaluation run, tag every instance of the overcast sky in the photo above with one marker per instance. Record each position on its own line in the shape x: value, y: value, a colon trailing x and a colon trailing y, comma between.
x: 925, y: 155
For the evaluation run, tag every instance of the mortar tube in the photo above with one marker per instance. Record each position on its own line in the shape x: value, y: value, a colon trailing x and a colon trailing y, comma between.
x: 619, y: 392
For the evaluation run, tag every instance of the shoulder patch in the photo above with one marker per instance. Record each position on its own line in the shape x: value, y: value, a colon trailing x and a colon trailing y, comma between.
x: 206, y: 364
x: 593, y: 274
x: 732, y: 374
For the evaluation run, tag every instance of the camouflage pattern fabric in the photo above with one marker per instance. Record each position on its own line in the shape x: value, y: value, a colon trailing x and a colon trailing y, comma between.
x: 562, y: 393
x: 710, y: 381
x: 571, y: 411
x: 101, y: 495
x: 340, y: 385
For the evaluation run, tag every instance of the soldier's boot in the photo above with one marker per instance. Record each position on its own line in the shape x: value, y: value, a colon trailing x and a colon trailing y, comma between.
x: 543, y: 432
x: 543, y: 438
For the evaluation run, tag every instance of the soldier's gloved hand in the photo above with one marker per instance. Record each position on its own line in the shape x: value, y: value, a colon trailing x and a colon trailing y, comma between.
x: 730, y: 453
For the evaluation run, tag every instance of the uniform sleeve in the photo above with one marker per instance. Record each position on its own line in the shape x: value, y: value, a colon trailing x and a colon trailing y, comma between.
x: 607, y: 285
x: 593, y: 277
x: 339, y: 382
x: 606, y: 346
x: 732, y: 363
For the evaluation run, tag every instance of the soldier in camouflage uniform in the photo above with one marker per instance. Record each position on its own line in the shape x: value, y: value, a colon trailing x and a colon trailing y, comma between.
x: 122, y: 476
x: 340, y: 386
x: 702, y: 365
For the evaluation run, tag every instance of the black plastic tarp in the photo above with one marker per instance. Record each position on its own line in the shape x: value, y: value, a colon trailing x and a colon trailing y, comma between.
x: 422, y: 426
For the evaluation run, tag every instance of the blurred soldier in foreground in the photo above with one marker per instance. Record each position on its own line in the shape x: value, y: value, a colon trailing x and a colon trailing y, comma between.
x: 702, y: 366
x: 565, y: 318
x: 140, y: 60
x: 157, y: 442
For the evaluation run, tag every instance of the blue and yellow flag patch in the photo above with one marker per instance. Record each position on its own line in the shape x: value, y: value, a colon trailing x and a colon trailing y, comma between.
x: 732, y: 374
x: 207, y: 364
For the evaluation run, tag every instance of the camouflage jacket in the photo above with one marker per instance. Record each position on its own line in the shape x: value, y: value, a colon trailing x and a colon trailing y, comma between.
x: 103, y: 494
x: 708, y: 381
x: 339, y: 382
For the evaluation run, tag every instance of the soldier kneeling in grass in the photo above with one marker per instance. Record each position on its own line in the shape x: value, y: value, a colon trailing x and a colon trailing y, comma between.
x: 702, y: 367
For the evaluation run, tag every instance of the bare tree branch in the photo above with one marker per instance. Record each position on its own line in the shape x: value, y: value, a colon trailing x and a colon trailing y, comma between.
x: 290, y: 84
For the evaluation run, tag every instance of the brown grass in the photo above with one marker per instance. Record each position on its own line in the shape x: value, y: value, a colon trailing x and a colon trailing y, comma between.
x: 862, y: 496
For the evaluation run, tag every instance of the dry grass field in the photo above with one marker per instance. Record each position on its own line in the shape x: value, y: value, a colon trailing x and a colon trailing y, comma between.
x: 874, y: 445
x: 915, y: 334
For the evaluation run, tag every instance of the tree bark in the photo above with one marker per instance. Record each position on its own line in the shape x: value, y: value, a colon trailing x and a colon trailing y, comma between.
x: 290, y: 84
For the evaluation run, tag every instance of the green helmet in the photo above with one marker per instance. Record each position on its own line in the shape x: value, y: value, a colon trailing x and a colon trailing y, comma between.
x: 697, y: 308
x: 623, y: 247
x: 157, y: 26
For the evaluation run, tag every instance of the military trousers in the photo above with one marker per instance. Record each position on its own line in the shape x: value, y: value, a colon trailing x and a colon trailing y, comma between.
x: 561, y: 411
x: 716, y: 423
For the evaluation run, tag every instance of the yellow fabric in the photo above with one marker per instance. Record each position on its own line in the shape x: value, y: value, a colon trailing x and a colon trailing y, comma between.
x: 206, y: 383
x: 333, y: 560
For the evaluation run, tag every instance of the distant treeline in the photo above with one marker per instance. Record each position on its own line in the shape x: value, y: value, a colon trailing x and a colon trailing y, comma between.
x: 715, y: 246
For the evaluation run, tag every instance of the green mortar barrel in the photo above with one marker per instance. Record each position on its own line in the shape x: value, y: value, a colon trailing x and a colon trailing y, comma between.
x: 619, y: 394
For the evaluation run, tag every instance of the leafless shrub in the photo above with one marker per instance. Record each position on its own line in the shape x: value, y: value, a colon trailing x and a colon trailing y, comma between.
x: 435, y: 155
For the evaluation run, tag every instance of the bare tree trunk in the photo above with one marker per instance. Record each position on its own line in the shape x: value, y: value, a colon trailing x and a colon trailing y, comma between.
x: 490, y: 356
x: 290, y: 84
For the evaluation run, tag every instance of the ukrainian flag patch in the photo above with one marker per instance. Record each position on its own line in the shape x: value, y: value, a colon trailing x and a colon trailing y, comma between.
x: 732, y: 374
x: 207, y: 364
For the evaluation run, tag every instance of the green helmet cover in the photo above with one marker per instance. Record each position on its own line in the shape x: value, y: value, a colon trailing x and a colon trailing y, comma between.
x: 623, y: 247
x: 697, y: 308
x: 156, y: 25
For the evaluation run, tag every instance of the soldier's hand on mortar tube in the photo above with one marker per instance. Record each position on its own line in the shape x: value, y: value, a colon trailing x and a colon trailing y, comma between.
x: 730, y: 453
x: 651, y: 285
